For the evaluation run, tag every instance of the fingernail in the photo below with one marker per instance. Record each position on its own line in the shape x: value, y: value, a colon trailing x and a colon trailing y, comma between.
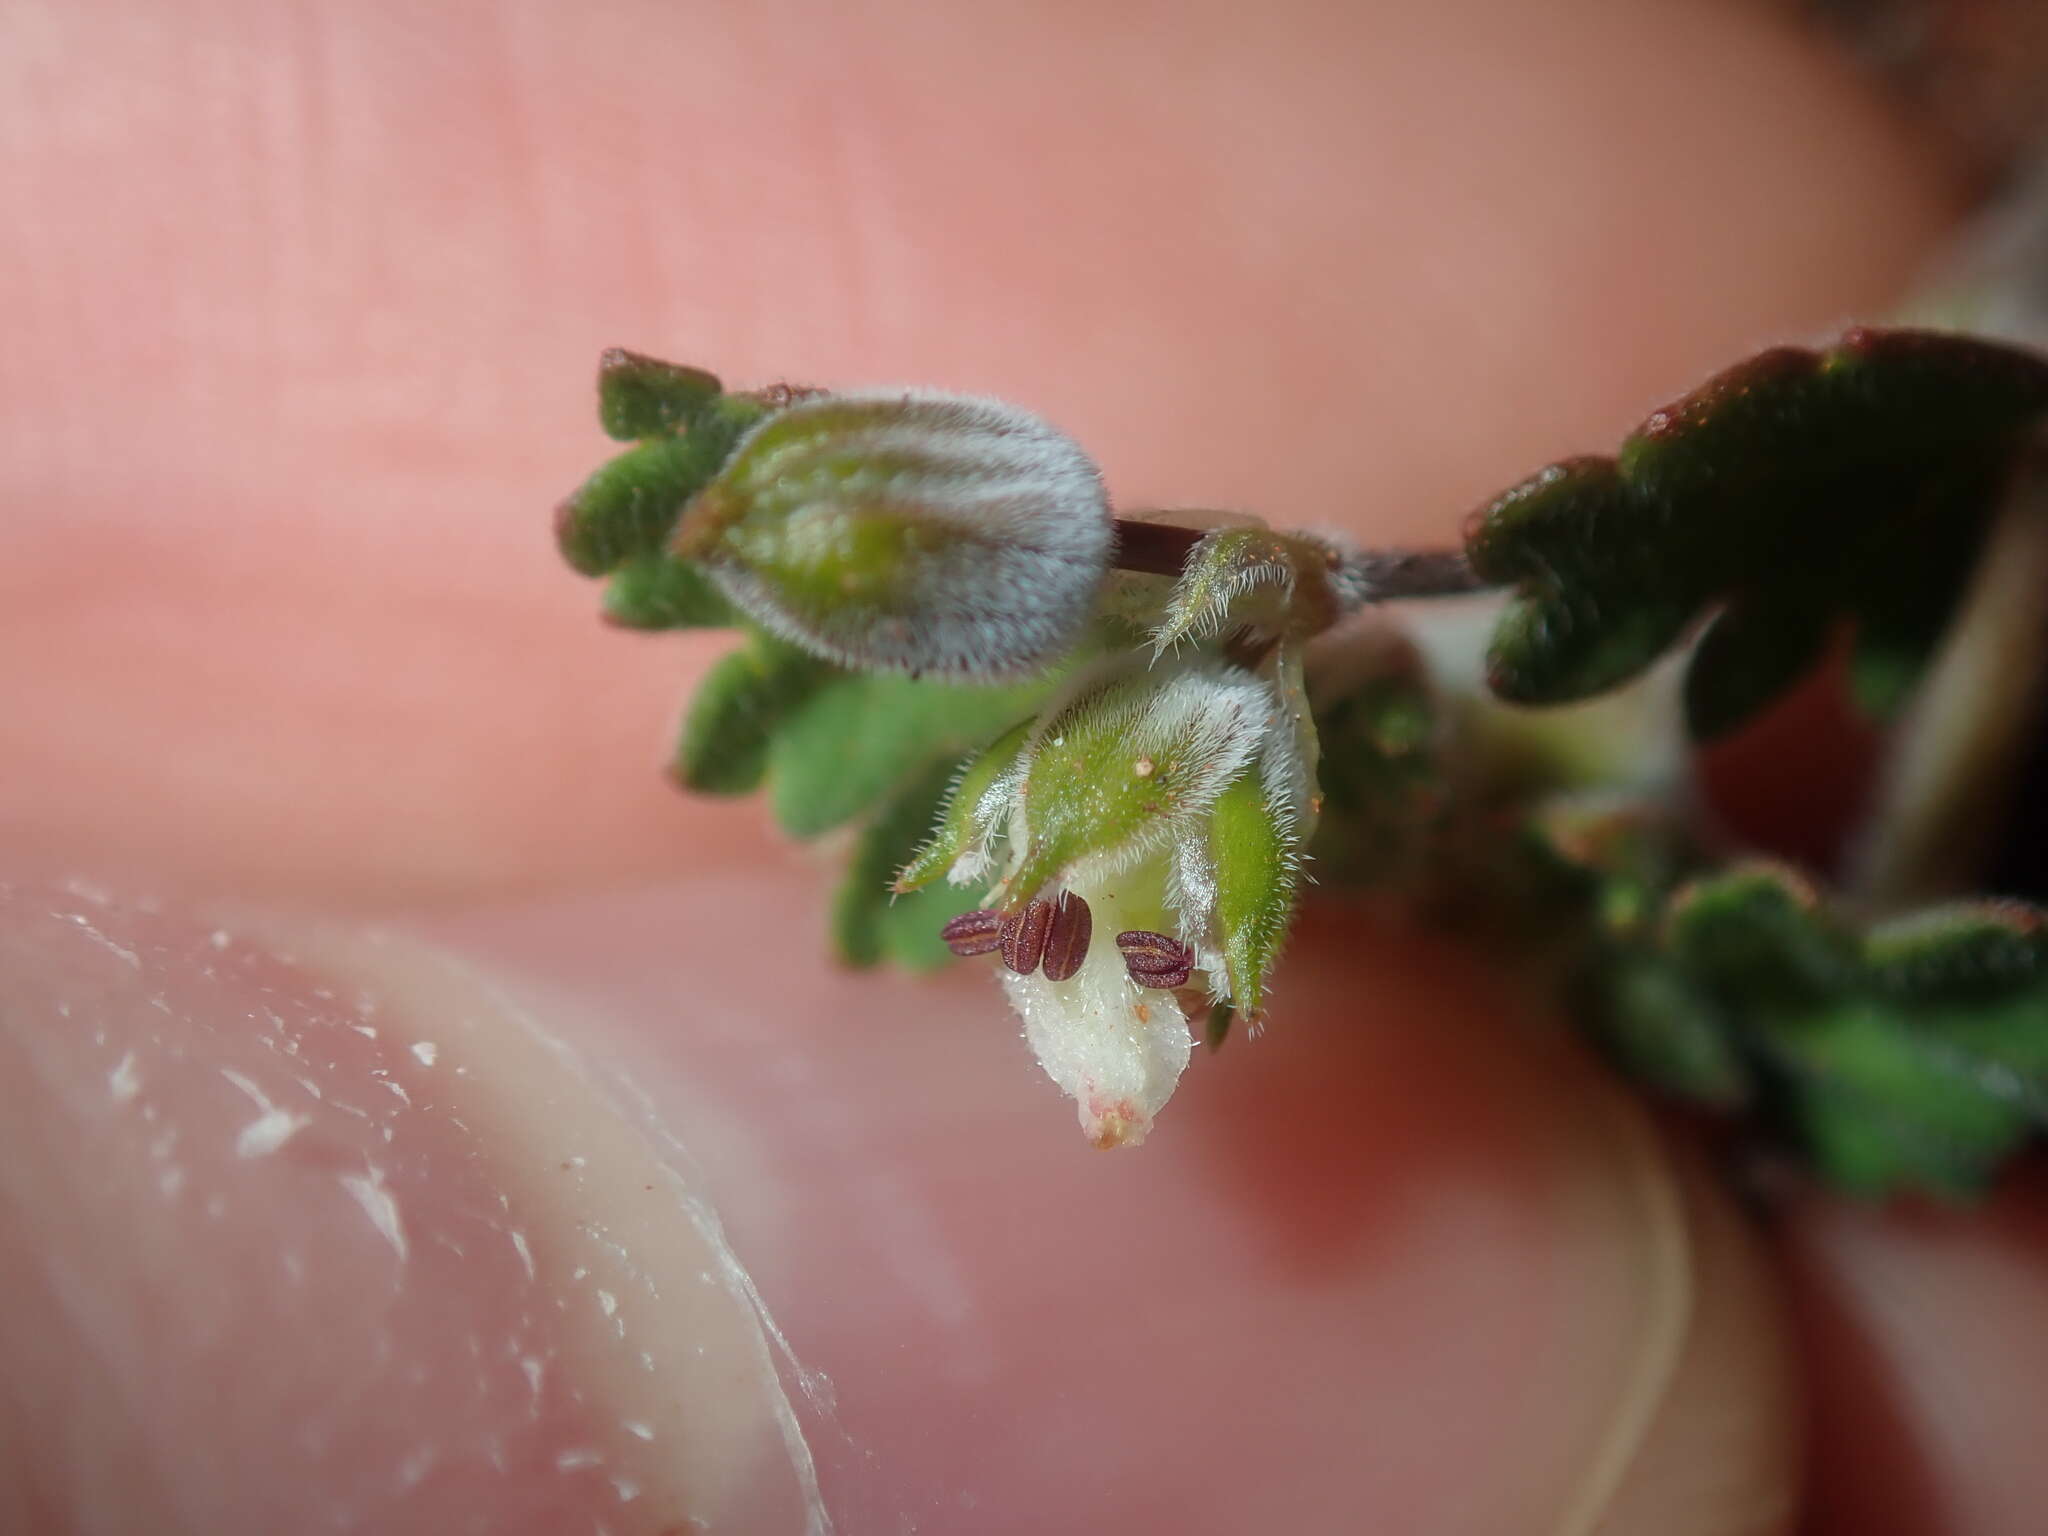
x: 306, y: 1229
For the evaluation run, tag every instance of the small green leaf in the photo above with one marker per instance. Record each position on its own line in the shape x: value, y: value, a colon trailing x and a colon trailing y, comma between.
x: 870, y: 923
x: 1754, y: 651
x: 1663, y: 1029
x: 633, y: 502
x: 1255, y: 860
x: 850, y: 745
x: 1759, y: 929
x: 1877, y: 1108
x: 660, y: 592
x: 1965, y: 952
x: 1572, y: 510
x: 1553, y: 648
x: 644, y: 397
x: 1738, y: 428
x: 732, y: 720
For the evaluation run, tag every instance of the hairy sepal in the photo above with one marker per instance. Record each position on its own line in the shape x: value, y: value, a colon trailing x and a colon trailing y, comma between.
x: 1134, y: 757
x: 908, y: 531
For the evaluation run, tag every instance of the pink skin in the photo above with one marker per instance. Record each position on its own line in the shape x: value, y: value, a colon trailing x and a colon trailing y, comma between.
x: 298, y: 360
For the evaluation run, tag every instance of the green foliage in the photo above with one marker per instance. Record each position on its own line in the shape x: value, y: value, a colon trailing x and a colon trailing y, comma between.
x: 660, y: 592
x: 1794, y: 502
x: 1794, y: 489
x: 1913, y: 1055
x: 852, y: 742
x: 731, y: 723
x: 630, y: 506
x: 871, y: 923
x: 644, y: 397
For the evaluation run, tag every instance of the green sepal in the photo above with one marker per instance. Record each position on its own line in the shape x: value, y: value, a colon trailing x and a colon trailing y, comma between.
x: 1254, y: 857
x: 965, y: 817
x: 1753, y: 652
x: 870, y: 923
x: 632, y: 503
x: 1126, y: 763
x: 641, y: 397
x: 660, y: 592
x: 1246, y: 577
x: 848, y: 745
x: 732, y: 720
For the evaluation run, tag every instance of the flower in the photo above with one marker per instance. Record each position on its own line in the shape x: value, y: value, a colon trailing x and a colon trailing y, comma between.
x: 1149, y: 824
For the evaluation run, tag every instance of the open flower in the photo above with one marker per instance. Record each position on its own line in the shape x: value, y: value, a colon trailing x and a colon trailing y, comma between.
x: 1147, y: 827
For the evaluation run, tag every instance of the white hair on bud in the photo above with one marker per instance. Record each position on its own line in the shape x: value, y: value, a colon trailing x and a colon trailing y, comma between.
x: 1018, y: 532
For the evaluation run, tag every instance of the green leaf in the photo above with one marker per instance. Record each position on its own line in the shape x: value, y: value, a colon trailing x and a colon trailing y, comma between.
x: 661, y: 592
x: 1754, y: 651
x: 632, y: 503
x: 1663, y: 1029
x: 847, y: 746
x: 1878, y: 1109
x: 1555, y: 647
x: 870, y: 923
x: 1798, y: 489
x: 1969, y: 951
x: 1759, y: 931
x: 1255, y: 860
x: 644, y: 397
x: 732, y: 720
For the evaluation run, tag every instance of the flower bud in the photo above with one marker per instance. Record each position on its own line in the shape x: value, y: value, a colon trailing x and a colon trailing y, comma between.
x: 923, y: 533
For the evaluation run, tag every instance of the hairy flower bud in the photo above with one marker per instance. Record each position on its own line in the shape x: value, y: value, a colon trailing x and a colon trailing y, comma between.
x: 911, y: 531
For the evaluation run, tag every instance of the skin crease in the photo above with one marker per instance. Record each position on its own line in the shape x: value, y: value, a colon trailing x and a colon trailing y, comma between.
x: 299, y: 354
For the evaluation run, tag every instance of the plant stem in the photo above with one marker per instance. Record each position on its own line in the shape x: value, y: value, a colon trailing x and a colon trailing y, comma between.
x: 1381, y: 574
x: 1371, y: 576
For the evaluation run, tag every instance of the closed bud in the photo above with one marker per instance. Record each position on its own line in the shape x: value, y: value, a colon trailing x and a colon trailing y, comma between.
x: 921, y: 533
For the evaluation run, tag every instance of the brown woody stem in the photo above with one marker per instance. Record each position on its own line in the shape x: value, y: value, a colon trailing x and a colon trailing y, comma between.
x: 1391, y: 573
x: 1375, y: 575
x: 1158, y: 548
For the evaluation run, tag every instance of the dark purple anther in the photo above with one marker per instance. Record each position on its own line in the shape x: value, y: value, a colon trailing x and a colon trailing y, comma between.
x: 1156, y: 959
x: 973, y: 933
x: 1066, y: 941
x: 1024, y: 936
